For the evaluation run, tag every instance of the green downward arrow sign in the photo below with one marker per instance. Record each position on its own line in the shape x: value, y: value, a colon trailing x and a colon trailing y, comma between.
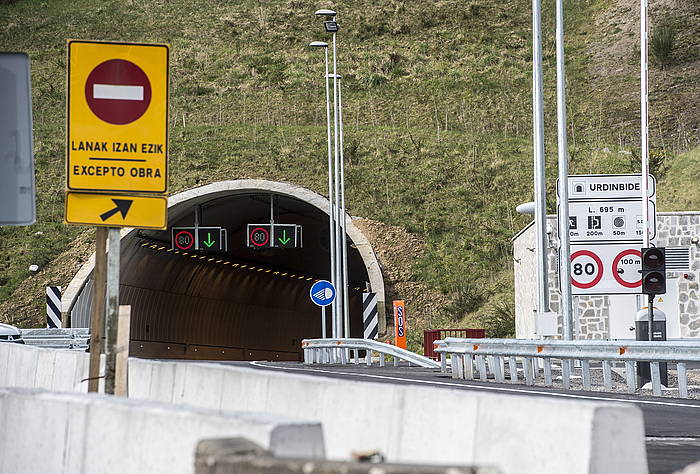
x: 284, y: 239
x: 209, y: 242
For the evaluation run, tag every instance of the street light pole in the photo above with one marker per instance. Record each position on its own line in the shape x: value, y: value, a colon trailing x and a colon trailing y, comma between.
x: 539, y: 178
x: 341, y: 296
x: 343, y: 241
x: 331, y: 199
x: 563, y: 155
x: 340, y: 301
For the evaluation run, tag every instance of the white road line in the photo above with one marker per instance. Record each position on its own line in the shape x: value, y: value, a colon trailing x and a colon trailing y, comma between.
x: 482, y: 387
x: 117, y: 92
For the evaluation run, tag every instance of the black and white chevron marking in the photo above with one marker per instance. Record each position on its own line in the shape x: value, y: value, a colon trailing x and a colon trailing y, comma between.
x: 53, y: 306
x: 369, y: 315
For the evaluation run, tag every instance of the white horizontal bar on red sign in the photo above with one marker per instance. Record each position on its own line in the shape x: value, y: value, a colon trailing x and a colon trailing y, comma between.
x: 117, y: 92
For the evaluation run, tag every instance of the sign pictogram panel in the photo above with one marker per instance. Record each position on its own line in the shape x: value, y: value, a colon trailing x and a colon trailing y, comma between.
x: 117, y: 134
x: 605, y: 269
x: 114, y: 210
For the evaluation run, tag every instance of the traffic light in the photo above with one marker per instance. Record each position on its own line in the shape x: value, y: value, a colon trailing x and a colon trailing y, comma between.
x: 654, y: 271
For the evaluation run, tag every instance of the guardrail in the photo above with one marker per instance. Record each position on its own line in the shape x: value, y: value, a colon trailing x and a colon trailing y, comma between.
x: 471, y: 356
x: 337, y: 351
x: 58, y: 338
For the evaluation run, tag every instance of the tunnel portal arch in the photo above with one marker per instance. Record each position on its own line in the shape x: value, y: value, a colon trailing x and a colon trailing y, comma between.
x: 239, y: 304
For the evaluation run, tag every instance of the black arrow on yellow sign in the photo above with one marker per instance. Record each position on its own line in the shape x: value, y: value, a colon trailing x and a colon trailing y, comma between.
x: 123, y: 206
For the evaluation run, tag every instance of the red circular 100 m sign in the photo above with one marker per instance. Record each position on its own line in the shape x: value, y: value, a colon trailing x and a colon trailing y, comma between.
x: 625, y: 268
x: 118, y: 91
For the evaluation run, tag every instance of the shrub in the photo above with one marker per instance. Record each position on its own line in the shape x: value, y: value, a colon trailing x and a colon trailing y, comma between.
x: 662, y: 42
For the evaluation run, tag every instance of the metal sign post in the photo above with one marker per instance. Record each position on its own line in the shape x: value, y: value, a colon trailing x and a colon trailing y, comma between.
x: 97, y: 313
x: 644, y: 98
x: 17, y: 196
x: 323, y: 293
x: 112, y: 309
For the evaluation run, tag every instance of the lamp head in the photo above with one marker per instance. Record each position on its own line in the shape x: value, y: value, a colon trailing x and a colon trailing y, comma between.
x: 318, y: 44
x: 324, y: 12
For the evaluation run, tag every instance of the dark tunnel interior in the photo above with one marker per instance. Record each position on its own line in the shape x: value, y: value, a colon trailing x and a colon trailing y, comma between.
x: 238, y: 304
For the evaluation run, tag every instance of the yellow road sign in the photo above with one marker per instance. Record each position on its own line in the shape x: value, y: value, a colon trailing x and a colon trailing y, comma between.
x: 117, y: 131
x: 117, y: 210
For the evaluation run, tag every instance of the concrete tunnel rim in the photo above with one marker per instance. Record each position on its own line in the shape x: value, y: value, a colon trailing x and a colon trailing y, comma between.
x: 240, y: 186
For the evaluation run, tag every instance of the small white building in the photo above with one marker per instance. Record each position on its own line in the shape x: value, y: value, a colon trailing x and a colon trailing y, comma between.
x: 612, y: 316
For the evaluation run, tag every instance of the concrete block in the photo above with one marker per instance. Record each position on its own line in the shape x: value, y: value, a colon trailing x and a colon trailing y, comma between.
x: 68, y: 370
x: 231, y: 456
x: 43, y: 432
x: 43, y: 378
x: 201, y: 385
x: 409, y: 423
x: 4, y: 356
x: 21, y: 365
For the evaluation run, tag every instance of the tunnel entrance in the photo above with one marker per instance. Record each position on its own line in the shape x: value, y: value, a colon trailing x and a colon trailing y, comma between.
x: 240, y: 303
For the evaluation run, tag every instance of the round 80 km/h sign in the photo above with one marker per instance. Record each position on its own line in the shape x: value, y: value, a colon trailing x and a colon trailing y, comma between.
x: 118, y: 91
x: 184, y: 240
x: 260, y: 236
x: 586, y: 269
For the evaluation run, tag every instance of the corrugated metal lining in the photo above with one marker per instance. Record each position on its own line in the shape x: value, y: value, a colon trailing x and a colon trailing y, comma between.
x: 177, y: 301
x: 185, y: 306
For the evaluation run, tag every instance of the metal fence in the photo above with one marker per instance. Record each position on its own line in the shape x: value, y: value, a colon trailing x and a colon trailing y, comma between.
x: 57, y: 338
x: 432, y: 335
x: 472, y: 358
x: 345, y: 351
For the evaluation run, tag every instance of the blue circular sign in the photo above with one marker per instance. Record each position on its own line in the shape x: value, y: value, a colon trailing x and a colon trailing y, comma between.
x: 322, y: 293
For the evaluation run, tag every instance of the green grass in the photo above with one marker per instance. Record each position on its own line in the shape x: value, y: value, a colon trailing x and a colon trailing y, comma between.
x: 437, y: 116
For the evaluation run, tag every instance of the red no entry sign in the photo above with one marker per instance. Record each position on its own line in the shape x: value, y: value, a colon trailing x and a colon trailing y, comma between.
x: 118, y: 91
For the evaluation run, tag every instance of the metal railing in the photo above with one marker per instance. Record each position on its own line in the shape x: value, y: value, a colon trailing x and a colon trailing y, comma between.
x: 469, y: 357
x: 432, y: 335
x: 345, y: 351
x: 57, y: 338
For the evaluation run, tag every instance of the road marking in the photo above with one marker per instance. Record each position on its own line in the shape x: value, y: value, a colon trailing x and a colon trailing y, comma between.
x: 482, y: 387
x: 117, y: 92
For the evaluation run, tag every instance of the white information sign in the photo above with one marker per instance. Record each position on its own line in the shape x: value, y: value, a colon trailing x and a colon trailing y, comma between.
x: 606, y: 269
x: 595, y: 221
x: 606, y: 187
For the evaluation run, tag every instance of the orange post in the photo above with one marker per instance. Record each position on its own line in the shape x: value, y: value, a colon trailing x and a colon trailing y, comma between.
x: 400, y: 323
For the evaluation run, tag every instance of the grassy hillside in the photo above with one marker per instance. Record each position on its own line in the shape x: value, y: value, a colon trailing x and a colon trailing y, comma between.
x: 437, y: 114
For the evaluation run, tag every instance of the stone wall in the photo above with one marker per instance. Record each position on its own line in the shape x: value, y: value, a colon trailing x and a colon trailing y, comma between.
x: 592, y: 313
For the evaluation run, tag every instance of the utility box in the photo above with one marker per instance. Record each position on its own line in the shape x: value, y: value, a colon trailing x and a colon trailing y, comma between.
x: 658, y: 334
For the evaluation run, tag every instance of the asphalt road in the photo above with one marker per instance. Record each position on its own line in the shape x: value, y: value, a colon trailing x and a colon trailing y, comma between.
x: 672, y: 425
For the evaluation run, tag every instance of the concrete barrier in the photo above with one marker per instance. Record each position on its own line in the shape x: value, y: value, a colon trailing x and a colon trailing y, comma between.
x: 237, y: 455
x: 49, y: 432
x: 407, y: 423
x: 417, y: 424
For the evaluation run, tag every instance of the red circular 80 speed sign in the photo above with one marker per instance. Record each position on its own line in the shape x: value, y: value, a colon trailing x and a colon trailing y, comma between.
x: 259, y: 236
x: 184, y: 240
x: 118, y: 91
x: 588, y: 271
